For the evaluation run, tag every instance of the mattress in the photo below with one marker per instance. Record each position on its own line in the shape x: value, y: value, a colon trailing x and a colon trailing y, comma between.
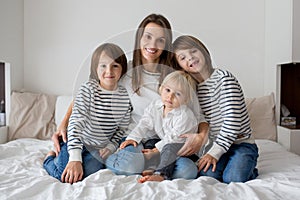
x: 22, y: 177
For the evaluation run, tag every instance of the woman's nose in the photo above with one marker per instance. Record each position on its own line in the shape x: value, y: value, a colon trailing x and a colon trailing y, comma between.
x: 153, y: 43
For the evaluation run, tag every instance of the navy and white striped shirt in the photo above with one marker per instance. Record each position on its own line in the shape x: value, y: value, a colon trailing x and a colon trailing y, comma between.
x: 222, y: 101
x: 99, y: 119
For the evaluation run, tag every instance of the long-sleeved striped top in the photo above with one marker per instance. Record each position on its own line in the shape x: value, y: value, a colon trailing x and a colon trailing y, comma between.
x: 222, y: 101
x: 99, y: 119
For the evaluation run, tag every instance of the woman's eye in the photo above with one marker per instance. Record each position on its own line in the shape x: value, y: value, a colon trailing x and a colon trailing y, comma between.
x: 147, y: 36
x: 102, y: 66
x: 116, y: 65
x: 162, y: 41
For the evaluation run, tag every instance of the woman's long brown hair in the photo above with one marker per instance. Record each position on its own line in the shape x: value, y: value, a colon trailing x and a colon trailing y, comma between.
x: 165, y: 61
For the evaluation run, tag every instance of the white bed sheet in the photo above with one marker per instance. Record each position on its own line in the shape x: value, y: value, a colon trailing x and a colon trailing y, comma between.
x: 23, y: 177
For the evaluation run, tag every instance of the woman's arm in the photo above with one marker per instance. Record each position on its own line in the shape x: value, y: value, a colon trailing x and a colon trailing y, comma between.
x: 193, y: 141
x: 61, y: 131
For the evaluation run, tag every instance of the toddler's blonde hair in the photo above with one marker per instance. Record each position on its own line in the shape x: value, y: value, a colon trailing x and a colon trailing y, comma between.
x: 183, y: 80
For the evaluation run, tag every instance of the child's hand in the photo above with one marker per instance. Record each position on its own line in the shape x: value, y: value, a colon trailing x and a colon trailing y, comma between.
x: 72, y: 173
x: 104, y: 153
x: 206, y: 161
x: 128, y: 142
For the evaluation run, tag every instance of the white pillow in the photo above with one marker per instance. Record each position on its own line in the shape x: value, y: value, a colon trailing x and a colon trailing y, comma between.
x: 61, y: 107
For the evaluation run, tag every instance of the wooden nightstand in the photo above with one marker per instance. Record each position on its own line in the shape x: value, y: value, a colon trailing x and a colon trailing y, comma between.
x: 3, y: 134
x: 289, y: 138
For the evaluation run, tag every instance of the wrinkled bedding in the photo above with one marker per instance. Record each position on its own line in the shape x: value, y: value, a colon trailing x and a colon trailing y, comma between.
x: 23, y: 177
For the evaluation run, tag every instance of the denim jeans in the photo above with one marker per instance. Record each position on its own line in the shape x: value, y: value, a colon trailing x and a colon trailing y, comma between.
x: 130, y: 160
x: 238, y: 164
x: 91, y: 162
x: 167, y: 160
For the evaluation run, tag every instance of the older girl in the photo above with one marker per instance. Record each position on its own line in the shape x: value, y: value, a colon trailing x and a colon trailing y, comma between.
x: 231, y: 154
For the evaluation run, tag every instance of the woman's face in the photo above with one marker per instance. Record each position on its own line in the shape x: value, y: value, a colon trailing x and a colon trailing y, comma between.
x: 109, y: 72
x: 152, y: 44
x: 191, y: 60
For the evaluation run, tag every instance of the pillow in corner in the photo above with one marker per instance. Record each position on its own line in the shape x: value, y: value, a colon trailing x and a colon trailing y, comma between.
x: 32, y: 116
x: 262, y: 115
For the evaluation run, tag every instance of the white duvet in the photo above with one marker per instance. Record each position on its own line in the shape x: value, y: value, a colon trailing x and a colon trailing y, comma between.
x: 23, y: 177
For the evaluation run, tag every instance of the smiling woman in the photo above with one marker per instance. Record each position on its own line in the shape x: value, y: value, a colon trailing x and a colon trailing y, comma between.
x: 151, y: 62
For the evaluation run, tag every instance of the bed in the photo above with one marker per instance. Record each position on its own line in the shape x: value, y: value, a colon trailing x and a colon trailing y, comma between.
x: 23, y: 177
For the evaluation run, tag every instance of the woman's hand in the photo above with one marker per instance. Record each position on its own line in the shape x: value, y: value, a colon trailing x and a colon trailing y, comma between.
x: 128, y: 142
x: 72, y: 173
x: 206, y: 161
x: 104, y: 153
x: 61, y: 133
x: 194, y: 141
x: 192, y: 144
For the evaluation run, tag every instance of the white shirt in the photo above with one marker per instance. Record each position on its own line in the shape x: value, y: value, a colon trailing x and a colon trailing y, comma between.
x: 177, y: 122
x: 148, y: 93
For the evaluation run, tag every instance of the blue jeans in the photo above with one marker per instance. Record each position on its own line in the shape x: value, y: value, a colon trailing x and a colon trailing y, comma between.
x: 91, y: 162
x: 130, y: 160
x: 238, y: 164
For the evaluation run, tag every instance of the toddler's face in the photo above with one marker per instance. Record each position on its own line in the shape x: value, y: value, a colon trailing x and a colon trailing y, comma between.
x: 109, y: 72
x: 172, y: 96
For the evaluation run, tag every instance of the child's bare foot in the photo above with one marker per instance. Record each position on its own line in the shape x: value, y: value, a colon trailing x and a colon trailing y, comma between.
x: 147, y: 172
x: 50, y: 153
x: 154, y: 177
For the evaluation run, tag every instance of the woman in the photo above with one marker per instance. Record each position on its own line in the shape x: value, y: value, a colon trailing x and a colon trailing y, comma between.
x: 231, y: 153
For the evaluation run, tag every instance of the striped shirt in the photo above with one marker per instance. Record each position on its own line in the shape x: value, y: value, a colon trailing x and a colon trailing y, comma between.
x: 99, y: 119
x: 222, y: 101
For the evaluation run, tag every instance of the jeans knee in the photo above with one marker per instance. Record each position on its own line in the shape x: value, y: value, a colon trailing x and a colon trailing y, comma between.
x: 51, y: 168
x: 126, y: 162
x: 185, y: 168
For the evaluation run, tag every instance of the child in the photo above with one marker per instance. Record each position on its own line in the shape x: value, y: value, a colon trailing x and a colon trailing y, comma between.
x: 100, y: 117
x: 231, y: 153
x: 168, y: 117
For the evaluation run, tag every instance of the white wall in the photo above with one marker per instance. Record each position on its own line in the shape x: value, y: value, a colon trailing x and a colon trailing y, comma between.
x: 241, y: 35
x: 11, y: 39
x: 278, y: 39
x: 296, y: 31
